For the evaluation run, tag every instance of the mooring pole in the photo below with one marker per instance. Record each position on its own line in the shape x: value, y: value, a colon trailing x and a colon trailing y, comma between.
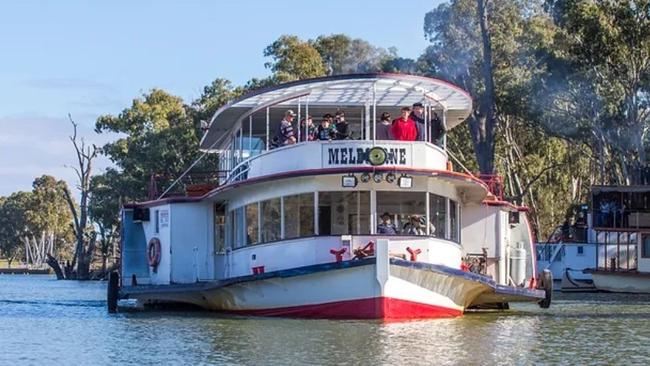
x: 112, y: 291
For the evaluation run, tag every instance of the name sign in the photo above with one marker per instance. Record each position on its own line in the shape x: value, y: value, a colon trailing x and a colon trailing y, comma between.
x: 343, y: 155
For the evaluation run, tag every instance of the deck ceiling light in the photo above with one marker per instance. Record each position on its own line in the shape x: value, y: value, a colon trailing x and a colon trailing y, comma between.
x: 405, y: 181
x: 365, y: 177
x: 349, y: 181
x: 390, y: 177
x: 377, y: 177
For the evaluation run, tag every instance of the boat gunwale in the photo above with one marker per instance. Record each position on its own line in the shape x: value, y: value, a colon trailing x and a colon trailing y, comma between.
x: 127, y: 291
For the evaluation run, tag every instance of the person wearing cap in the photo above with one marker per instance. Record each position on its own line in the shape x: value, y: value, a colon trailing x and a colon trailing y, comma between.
x: 285, y: 134
x: 342, y: 127
x: 417, y: 115
x: 415, y: 226
x: 384, y: 128
x: 404, y: 128
x: 386, y: 227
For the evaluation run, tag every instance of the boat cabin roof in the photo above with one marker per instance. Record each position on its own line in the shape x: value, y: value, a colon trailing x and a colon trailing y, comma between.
x: 325, y: 94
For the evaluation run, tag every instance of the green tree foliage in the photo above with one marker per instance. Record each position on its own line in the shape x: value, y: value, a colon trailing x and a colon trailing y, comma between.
x: 293, y: 59
x: 13, y: 224
x: 159, y: 138
x: 30, y: 215
x: 598, y: 80
x: 541, y: 167
x: 104, y: 207
x: 344, y: 55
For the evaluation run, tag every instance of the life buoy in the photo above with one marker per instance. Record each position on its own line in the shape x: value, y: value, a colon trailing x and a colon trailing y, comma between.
x: 153, y: 252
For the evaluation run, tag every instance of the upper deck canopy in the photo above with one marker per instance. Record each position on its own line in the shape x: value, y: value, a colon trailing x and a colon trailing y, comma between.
x: 325, y: 94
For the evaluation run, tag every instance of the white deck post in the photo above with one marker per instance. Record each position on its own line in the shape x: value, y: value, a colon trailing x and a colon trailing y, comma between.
x: 444, y: 125
x: 373, y: 212
x: 316, y: 230
x: 250, y: 134
x: 367, y: 122
x: 300, y: 136
x: 447, y: 220
x: 282, y: 217
x: 268, y: 117
x: 427, y: 208
x: 259, y: 222
x: 241, y: 144
x: 374, y: 111
x: 306, y: 115
x: 383, y: 264
x: 427, y: 113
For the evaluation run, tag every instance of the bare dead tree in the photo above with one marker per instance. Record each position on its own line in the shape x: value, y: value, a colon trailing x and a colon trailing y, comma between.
x: 85, y: 237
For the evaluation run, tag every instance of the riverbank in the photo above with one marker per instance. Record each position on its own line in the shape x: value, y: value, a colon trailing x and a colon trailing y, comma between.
x: 45, y: 321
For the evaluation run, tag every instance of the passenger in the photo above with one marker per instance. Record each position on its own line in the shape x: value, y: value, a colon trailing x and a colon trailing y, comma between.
x: 342, y: 127
x: 308, y: 129
x: 285, y: 135
x: 384, y: 128
x: 438, y: 130
x: 325, y: 131
x: 418, y: 116
x: 404, y: 127
x: 415, y: 226
x: 386, y: 227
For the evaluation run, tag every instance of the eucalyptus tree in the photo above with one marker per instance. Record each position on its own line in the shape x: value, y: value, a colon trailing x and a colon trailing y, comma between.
x: 497, y: 51
x: 599, y: 81
x: 293, y: 59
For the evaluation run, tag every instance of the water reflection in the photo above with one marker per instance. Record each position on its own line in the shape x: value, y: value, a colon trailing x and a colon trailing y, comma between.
x: 44, y: 321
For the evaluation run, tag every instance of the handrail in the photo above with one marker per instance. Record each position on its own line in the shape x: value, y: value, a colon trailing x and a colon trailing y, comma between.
x: 247, y: 161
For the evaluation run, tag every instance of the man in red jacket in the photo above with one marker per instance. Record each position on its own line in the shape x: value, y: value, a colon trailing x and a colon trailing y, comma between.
x: 404, y: 128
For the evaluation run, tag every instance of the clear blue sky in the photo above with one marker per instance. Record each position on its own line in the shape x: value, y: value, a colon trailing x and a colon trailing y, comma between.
x: 89, y: 58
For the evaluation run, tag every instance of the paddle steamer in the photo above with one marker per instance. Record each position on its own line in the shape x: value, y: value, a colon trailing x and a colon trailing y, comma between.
x: 293, y: 231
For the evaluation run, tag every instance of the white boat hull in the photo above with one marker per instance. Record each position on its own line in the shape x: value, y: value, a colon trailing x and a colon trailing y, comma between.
x: 372, y: 288
x: 626, y: 282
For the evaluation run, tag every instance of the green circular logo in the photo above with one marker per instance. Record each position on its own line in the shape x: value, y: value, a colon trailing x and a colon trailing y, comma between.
x: 377, y: 155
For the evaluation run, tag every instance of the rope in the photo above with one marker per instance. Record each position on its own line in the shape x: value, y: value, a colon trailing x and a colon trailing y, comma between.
x: 191, y: 166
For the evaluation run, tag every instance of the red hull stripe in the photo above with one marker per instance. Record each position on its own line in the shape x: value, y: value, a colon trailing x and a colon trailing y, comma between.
x: 373, y: 308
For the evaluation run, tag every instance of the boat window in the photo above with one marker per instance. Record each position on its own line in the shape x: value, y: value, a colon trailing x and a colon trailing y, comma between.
x: 407, y: 211
x: 239, y: 223
x: 157, y: 222
x: 270, y: 211
x: 344, y: 213
x: 453, y: 221
x: 219, y: 229
x: 299, y: 215
x: 616, y: 250
x: 438, y: 215
x: 645, y: 246
x: 252, y: 223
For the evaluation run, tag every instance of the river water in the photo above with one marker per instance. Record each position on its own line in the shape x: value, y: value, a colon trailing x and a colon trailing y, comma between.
x: 44, y: 321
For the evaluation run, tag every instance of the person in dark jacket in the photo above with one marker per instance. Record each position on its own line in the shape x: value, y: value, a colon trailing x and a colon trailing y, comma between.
x: 342, y: 126
x: 285, y: 134
x: 438, y: 130
x: 325, y: 130
x: 417, y: 115
x: 386, y: 227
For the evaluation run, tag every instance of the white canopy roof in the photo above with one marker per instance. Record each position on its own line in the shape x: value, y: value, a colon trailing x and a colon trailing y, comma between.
x: 326, y: 94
